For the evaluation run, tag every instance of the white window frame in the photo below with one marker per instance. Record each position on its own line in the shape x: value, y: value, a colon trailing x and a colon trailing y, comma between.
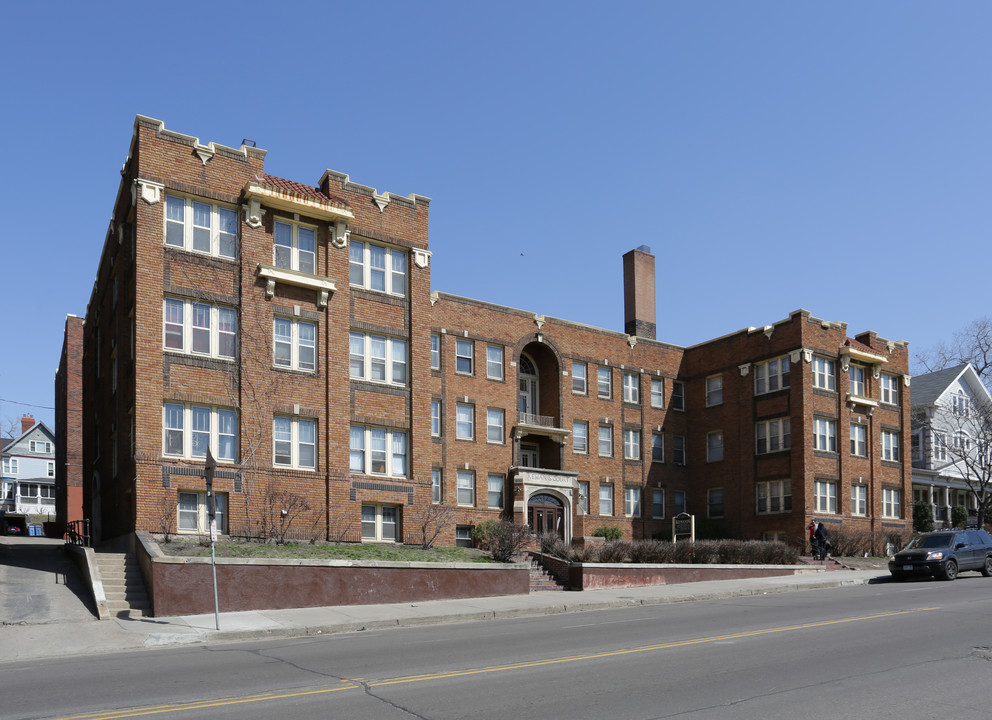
x: 890, y: 445
x: 824, y: 373
x: 435, y: 351
x: 40, y: 446
x: 379, y: 526
x: 859, y: 440
x: 190, y: 430
x: 632, y: 502
x: 189, y: 227
x: 579, y: 378
x: 202, y: 515
x: 464, y: 356
x: 11, y: 466
x: 292, y: 255
x: 657, y: 447
x: 51, y: 468
x: 301, y: 349
x: 657, y: 392
x: 939, y: 445
x: 960, y: 403
x: 187, y: 325
x: 712, y: 504
x: 631, y: 388
x: 494, y: 362
x: 466, y: 488
x: 773, y: 497
x: 300, y: 429
x: 463, y: 536
x: 771, y: 375
x: 859, y: 500
x: 891, y: 503
x: 464, y: 421
x: 604, y: 382
x: 495, y: 424
x: 631, y: 444
x: 584, y: 496
x: 495, y: 490
x: 825, y: 495
x: 437, y: 485
x: 824, y: 434
x: 714, y: 446
x: 714, y: 390
x: 889, y: 387
x: 436, y: 418
x: 604, y: 440
x: 679, y: 455
x: 383, y: 359
x: 378, y: 451
x: 678, y: 395
x: 365, y: 270
x: 606, y: 499
x: 771, y: 436
x: 856, y: 380
x: 580, y: 437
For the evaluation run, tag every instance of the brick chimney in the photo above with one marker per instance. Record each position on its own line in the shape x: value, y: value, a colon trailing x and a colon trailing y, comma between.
x: 27, y: 422
x: 638, y: 293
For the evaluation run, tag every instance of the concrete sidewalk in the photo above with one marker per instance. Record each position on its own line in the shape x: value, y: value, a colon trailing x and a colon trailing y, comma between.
x: 20, y: 642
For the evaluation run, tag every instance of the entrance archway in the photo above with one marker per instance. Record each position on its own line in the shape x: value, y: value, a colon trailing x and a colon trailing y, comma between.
x: 545, y: 513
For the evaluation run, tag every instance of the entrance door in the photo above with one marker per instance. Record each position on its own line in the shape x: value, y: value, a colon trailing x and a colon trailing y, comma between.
x: 530, y: 456
x: 528, y: 394
x: 545, y: 515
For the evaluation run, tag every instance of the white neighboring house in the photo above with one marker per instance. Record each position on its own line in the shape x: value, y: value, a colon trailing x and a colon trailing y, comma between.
x: 28, y: 484
x: 943, y: 404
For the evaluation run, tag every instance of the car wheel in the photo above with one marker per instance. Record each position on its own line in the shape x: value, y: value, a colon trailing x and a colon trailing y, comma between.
x: 950, y: 570
x: 987, y: 567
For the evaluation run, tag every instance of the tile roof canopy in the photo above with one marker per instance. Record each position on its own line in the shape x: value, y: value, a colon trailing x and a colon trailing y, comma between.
x: 855, y: 345
x: 296, y: 188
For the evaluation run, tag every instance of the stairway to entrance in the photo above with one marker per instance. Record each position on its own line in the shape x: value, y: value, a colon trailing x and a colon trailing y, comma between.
x: 123, y: 584
x: 541, y: 580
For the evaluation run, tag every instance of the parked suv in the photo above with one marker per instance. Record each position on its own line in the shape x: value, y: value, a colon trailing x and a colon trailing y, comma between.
x: 944, y: 554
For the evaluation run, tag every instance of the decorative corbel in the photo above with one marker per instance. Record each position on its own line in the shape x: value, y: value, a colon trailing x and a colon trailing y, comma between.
x: 905, y: 380
x: 769, y: 329
x: 322, y: 296
x: 876, y: 371
x: 745, y: 369
x: 845, y: 362
x: 434, y: 298
x: 539, y: 321
x: 632, y: 341
x: 270, y: 288
x: 339, y: 234
x: 807, y: 355
x: 151, y: 192
x: 421, y: 258
x: 204, y: 153
x: 381, y: 200
x: 253, y: 213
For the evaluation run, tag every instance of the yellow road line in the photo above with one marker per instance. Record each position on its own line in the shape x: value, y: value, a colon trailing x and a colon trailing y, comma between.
x: 355, y: 684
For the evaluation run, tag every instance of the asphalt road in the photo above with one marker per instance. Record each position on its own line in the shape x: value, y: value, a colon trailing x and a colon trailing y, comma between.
x: 891, y: 650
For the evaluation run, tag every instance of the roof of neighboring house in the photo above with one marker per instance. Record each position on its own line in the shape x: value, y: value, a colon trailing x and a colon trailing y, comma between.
x: 4, y: 442
x: 926, y: 389
x: 9, y: 445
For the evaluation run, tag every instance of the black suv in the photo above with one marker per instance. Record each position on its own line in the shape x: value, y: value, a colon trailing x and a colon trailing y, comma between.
x: 944, y: 554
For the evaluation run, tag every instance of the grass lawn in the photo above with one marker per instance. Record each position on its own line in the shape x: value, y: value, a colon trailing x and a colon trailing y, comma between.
x: 193, y: 547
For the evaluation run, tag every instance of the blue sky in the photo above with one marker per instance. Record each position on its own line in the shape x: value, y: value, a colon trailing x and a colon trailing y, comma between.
x: 774, y: 155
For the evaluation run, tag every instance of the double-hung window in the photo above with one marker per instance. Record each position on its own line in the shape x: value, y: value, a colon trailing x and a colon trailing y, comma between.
x: 631, y: 387
x: 658, y: 504
x: 773, y: 496
x: 584, y: 496
x: 294, y: 344
x: 294, y: 246
x: 494, y: 425
x: 578, y: 378
x: 466, y: 487
x: 436, y: 418
x: 631, y: 444
x: 657, y: 392
x: 859, y: 500
x: 10, y: 466
x: 714, y: 503
x: 189, y: 430
x: 678, y: 450
x: 201, y: 227
x: 678, y: 395
x: 632, y: 502
x: 377, y: 358
x: 464, y: 356
x: 604, y: 382
x: 857, y: 376
x: 580, y: 437
x: 771, y: 376
x: 495, y: 490
x: 294, y: 442
x: 657, y: 447
x: 435, y: 351
x: 605, y: 499
x: 824, y: 373
x: 714, y: 446
x: 772, y: 435
x: 464, y: 421
x: 378, y: 268
x: 939, y: 446
x: 825, y: 495
x: 890, y: 388
x: 437, y: 486
x: 859, y: 440
x: 380, y: 522
x: 378, y: 451
x: 960, y: 403
x: 714, y: 390
x: 824, y: 434
x: 605, y: 440
x: 40, y: 446
x: 494, y: 362
x: 192, y: 513
x: 890, y: 445
x: 891, y: 503
x: 200, y: 328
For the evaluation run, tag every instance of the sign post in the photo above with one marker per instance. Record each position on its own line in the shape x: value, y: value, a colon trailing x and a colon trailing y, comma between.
x: 211, y: 465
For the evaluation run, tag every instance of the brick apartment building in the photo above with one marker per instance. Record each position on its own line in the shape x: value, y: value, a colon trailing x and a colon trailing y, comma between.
x: 292, y: 329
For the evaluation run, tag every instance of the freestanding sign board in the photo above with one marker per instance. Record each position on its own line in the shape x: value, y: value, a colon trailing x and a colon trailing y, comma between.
x: 684, y: 525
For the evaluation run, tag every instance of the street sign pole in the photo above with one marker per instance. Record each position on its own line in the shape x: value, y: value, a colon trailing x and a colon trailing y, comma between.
x: 211, y: 465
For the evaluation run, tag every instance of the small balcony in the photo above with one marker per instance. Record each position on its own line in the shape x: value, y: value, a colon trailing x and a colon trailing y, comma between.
x: 545, y: 425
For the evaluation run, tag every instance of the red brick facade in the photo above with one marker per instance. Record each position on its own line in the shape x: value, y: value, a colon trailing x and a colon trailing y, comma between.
x: 161, y: 385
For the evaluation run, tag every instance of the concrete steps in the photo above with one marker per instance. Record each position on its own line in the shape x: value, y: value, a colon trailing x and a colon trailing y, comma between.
x: 541, y: 580
x: 123, y: 584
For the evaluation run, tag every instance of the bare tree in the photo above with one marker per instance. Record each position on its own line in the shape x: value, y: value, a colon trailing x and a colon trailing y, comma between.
x: 962, y: 438
x: 431, y: 520
x: 972, y: 344
x: 283, y: 509
x: 10, y: 427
